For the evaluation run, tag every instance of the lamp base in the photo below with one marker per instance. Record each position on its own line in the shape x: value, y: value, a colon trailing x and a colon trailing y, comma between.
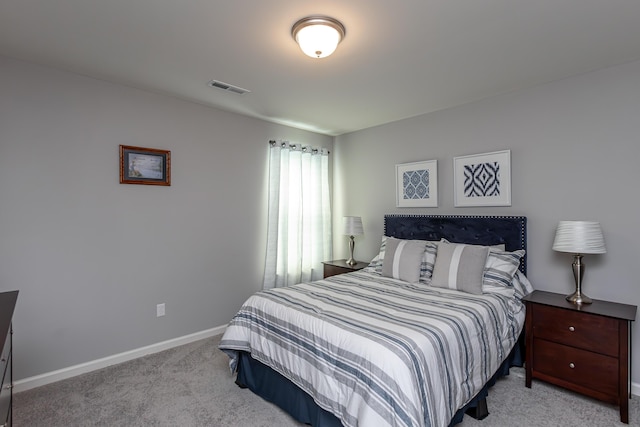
x: 578, y: 298
x: 578, y: 273
x: 352, y: 244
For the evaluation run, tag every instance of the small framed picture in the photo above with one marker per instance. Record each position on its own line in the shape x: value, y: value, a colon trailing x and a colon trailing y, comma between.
x: 482, y: 179
x: 147, y: 166
x: 417, y: 184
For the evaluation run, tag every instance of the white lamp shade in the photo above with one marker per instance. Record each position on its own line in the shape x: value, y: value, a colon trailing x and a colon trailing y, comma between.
x: 352, y: 226
x: 579, y: 237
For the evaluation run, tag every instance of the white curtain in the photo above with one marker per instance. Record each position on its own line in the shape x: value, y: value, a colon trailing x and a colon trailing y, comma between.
x: 299, y: 228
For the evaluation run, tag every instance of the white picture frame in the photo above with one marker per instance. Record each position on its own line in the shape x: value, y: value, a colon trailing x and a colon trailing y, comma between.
x: 482, y: 179
x: 417, y: 184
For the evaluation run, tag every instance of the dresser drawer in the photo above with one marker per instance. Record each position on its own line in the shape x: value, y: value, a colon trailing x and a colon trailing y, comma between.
x: 591, y: 370
x: 581, y: 330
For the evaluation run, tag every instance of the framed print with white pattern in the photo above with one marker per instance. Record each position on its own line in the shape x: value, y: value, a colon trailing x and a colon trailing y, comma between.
x: 417, y: 184
x: 482, y: 179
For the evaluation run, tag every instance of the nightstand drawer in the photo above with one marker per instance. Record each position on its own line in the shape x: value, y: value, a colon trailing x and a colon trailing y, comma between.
x: 332, y: 270
x: 583, y: 368
x: 581, y: 330
x: 340, y: 266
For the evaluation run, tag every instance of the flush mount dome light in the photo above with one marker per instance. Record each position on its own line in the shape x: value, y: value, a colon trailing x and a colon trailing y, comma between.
x: 318, y: 36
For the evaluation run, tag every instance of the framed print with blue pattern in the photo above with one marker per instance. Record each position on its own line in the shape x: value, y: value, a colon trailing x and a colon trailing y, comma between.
x: 482, y: 179
x: 417, y: 184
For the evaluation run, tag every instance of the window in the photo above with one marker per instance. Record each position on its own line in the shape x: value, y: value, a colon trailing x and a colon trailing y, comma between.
x: 299, y: 228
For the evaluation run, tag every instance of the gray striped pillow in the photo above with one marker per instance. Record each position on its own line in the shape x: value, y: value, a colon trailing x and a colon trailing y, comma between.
x: 426, y: 266
x: 460, y: 267
x: 428, y: 261
x: 402, y: 259
x: 501, y: 267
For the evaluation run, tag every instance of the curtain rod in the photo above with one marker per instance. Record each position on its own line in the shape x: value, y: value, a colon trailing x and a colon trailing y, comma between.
x: 303, y: 148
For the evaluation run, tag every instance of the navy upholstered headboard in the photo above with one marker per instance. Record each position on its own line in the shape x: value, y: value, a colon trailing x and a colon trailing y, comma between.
x: 476, y: 230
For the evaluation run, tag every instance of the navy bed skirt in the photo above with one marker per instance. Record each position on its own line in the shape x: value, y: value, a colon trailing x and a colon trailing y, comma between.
x: 273, y: 387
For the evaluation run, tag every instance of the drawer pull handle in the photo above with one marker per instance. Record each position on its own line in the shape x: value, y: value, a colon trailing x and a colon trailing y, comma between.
x: 571, y: 328
x: 8, y: 387
x: 572, y: 365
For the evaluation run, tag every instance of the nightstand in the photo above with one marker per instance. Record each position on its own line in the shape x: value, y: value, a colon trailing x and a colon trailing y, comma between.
x: 340, y: 266
x: 584, y: 348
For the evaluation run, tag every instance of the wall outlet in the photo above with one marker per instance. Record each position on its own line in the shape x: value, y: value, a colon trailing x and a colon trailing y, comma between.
x: 160, y: 310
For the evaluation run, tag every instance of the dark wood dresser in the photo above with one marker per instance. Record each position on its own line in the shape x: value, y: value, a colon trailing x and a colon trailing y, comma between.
x: 584, y: 348
x: 340, y: 266
x: 7, y: 305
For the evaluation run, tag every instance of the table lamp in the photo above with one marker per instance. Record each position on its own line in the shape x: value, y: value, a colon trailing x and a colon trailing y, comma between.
x: 352, y: 226
x: 578, y: 238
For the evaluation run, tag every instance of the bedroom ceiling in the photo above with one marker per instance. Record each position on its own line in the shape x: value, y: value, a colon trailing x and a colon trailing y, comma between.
x: 398, y: 59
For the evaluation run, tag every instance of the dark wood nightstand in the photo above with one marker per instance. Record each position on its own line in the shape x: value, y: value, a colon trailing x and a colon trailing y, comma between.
x: 340, y: 266
x: 584, y: 348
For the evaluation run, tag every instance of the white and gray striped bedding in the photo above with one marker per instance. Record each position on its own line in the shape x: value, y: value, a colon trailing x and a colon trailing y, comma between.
x: 376, y: 351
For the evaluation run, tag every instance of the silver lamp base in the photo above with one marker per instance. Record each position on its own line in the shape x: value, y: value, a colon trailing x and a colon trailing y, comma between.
x: 352, y: 245
x: 578, y: 297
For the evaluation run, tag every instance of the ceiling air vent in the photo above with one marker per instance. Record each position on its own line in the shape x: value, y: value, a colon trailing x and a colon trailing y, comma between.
x: 226, y: 86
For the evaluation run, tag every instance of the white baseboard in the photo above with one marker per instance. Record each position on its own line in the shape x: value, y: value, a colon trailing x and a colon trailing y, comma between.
x: 72, y: 371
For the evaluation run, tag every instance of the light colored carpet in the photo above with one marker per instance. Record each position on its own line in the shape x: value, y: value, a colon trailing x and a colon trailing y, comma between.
x: 191, y: 386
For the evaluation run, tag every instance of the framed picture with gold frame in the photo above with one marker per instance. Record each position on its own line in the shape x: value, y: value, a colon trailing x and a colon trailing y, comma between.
x: 146, y: 166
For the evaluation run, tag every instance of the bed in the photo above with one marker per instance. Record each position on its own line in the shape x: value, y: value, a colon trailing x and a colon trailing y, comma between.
x: 375, y: 347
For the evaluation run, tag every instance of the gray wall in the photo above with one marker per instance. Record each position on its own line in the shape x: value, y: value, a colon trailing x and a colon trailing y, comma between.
x: 92, y: 257
x: 575, y: 147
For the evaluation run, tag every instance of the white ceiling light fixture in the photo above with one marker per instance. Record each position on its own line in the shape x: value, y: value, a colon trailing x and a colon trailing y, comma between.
x: 318, y: 36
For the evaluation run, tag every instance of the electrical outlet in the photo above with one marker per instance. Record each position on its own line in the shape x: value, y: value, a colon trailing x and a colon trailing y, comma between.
x: 160, y: 310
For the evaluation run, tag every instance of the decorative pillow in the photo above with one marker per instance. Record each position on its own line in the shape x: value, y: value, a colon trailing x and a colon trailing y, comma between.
x: 460, y: 267
x: 428, y: 259
x: 377, y: 261
x: 501, y: 267
x: 498, y: 246
x: 402, y: 259
x: 374, y: 262
x: 521, y: 284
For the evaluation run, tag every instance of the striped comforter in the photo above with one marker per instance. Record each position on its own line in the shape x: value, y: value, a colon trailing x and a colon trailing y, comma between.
x: 376, y: 351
